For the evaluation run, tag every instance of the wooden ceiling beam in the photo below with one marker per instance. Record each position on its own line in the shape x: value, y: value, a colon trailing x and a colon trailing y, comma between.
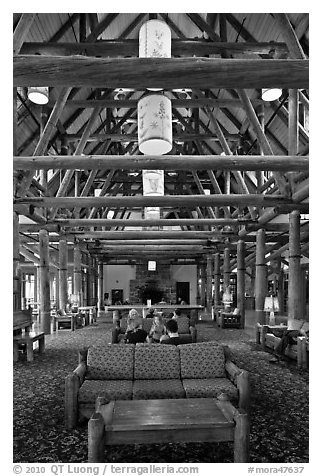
x: 176, y: 103
x: 159, y: 72
x: 21, y: 31
x: 165, y: 162
x: 140, y: 201
x: 85, y: 222
x: 134, y: 137
x: 128, y: 48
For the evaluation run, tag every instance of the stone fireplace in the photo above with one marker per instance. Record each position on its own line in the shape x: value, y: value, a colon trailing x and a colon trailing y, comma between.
x: 154, y: 285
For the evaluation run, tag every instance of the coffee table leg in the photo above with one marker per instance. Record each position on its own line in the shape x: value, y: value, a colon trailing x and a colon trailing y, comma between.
x: 30, y: 350
x: 241, y: 439
x: 96, y: 433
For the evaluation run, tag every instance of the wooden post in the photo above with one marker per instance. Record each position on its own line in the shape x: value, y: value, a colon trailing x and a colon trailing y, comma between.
x: 259, y: 173
x: 89, y: 281
x: 293, y: 130
x: 16, y: 268
x: 226, y: 267
x: 209, y: 286
x: 260, y: 277
x: 294, y: 278
x: 63, y: 295
x: 217, y: 279
x: 78, y: 273
x: 44, y: 281
x: 57, y: 288
x: 241, y: 438
x: 203, y: 283
x: 241, y: 280
x: 96, y: 433
x: 100, y: 286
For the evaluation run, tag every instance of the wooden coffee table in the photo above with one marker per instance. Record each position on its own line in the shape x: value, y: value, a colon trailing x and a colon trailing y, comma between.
x: 167, y: 421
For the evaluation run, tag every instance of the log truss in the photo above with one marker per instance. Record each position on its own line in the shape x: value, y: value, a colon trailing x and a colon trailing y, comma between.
x: 251, y: 156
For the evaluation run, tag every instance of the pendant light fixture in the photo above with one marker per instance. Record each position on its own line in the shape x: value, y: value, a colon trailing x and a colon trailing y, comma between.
x: 154, y: 124
x: 38, y: 95
x: 271, y: 94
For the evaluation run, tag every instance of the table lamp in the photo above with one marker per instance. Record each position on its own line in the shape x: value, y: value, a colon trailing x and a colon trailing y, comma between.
x: 271, y: 305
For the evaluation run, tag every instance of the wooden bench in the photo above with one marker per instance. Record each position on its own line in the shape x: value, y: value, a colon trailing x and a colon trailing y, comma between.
x: 22, y: 323
x: 228, y: 320
x: 69, y: 319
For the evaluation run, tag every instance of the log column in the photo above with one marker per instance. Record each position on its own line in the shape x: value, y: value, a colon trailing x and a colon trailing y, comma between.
x: 63, y: 293
x: 226, y: 267
x: 295, y: 305
x: 217, y: 275
x: 209, y: 286
x: 203, y: 283
x: 16, y: 267
x: 241, y: 280
x: 89, y: 281
x: 44, y: 281
x: 100, y: 286
x: 293, y: 131
x: 57, y: 288
x: 260, y: 277
x: 78, y: 273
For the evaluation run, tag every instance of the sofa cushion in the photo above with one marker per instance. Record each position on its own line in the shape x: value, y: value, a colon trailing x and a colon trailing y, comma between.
x: 294, y: 324
x: 209, y: 388
x: 156, y: 361
x: 183, y: 325
x: 110, y: 361
x: 109, y: 389
x: 202, y: 360
x: 165, y: 388
x: 147, y: 323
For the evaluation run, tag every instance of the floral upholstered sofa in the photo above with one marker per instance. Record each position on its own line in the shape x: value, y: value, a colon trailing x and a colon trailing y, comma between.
x: 186, y: 328
x: 152, y: 371
x: 298, y: 351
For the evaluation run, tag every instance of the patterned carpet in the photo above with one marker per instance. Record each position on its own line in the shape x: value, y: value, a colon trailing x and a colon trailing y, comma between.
x: 279, y: 414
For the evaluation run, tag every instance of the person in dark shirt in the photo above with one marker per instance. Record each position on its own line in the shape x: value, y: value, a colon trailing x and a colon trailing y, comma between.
x: 135, y: 333
x: 173, y: 337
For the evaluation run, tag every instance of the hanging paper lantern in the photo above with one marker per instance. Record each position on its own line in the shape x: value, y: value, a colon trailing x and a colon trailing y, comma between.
x: 153, y: 183
x: 155, y: 41
x: 38, y: 95
x: 154, y: 124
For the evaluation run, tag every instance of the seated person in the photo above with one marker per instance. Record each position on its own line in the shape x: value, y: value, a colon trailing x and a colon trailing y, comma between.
x: 173, y: 337
x: 178, y: 313
x: 158, y: 328
x: 287, y: 337
x: 150, y: 313
x: 134, y: 332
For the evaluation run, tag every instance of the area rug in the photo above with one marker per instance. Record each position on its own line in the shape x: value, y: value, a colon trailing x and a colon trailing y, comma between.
x: 279, y: 413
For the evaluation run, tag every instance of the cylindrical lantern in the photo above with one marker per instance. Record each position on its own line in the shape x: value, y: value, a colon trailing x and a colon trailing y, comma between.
x: 152, y: 213
x: 38, y: 95
x: 271, y: 94
x: 154, y: 124
x: 153, y: 182
x: 155, y: 41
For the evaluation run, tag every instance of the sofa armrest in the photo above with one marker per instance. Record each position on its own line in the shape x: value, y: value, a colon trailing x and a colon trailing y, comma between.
x: 73, y: 382
x: 240, y: 378
x: 193, y: 332
x: 302, y: 351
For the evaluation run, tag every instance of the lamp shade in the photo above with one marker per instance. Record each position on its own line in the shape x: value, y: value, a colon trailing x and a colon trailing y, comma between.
x: 155, y: 41
x: 271, y: 304
x: 271, y: 94
x: 153, y: 182
x: 152, y: 213
x: 38, y: 95
x: 154, y: 124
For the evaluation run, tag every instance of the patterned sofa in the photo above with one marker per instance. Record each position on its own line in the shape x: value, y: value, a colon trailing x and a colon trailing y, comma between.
x: 186, y: 328
x: 149, y: 371
x: 298, y: 351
